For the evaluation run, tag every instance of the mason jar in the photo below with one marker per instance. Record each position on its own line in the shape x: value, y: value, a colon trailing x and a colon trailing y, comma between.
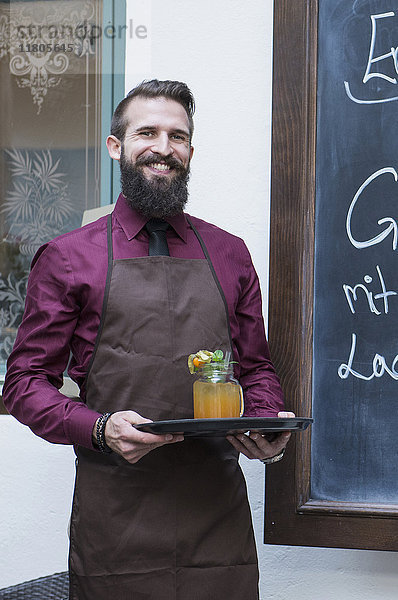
x: 216, y: 393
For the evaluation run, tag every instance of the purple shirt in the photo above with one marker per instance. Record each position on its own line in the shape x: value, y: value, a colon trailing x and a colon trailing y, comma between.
x: 62, y: 315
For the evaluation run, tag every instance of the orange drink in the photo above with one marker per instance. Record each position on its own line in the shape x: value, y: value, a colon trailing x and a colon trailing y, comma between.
x: 217, y: 400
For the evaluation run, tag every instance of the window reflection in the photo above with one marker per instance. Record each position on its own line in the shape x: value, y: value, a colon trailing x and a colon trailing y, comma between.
x: 50, y: 110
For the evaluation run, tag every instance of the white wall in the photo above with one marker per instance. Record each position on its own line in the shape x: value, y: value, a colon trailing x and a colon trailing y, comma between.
x: 36, y: 481
x: 223, y: 51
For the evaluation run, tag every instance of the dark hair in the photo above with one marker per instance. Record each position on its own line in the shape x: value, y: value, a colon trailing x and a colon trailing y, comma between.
x: 172, y: 90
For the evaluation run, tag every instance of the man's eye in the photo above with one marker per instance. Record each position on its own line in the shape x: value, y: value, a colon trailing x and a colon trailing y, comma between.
x: 178, y: 137
x: 146, y: 133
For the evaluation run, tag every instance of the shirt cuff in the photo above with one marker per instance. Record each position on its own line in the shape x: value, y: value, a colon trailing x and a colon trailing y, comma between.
x: 79, y: 425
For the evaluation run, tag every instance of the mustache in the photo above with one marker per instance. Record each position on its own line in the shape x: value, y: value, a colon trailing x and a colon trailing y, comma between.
x: 169, y: 161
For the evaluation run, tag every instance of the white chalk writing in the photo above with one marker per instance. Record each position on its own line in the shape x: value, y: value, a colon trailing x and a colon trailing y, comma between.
x: 392, y: 54
x: 351, y: 294
x: 378, y: 303
x: 392, y: 227
x: 379, y: 365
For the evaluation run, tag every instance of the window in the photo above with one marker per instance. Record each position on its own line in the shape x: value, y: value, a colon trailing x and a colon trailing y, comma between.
x: 56, y: 101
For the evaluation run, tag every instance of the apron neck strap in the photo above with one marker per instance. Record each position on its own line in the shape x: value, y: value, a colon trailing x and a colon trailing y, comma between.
x: 106, y: 295
x: 109, y: 238
x: 214, y: 274
x: 200, y: 240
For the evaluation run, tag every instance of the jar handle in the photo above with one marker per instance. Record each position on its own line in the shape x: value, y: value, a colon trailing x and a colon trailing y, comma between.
x: 242, y: 404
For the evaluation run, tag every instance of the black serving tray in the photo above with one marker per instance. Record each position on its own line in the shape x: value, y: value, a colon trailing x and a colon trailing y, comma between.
x: 223, y: 427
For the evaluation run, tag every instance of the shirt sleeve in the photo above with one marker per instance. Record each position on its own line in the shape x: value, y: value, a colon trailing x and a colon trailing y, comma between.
x: 41, y: 353
x: 262, y: 391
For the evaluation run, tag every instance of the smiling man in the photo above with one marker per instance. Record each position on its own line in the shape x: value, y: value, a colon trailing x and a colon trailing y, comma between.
x: 154, y: 154
x: 130, y: 297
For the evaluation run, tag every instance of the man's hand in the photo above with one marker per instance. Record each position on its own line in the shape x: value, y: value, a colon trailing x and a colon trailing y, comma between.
x: 255, y: 445
x: 126, y: 440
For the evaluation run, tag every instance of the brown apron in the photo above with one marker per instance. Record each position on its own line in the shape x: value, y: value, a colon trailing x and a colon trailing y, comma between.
x: 176, y: 525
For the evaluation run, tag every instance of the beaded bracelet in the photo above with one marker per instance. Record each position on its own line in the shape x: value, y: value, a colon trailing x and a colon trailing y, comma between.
x: 273, y: 459
x: 101, y: 423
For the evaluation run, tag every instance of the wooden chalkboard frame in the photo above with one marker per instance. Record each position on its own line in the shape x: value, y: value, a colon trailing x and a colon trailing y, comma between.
x: 291, y: 516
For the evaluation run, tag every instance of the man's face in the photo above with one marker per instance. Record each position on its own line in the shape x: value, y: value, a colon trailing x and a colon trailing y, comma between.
x: 157, y: 139
x: 155, y: 156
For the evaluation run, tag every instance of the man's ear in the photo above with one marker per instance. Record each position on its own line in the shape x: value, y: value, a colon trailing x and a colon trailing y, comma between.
x: 114, y: 147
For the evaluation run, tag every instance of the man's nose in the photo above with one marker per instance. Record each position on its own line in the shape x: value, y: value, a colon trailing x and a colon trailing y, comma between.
x: 162, y: 145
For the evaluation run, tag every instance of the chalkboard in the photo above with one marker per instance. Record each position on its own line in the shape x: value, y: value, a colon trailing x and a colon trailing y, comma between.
x: 333, y: 289
x: 355, y: 345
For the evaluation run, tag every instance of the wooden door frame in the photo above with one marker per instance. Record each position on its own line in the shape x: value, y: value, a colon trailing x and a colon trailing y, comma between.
x: 291, y: 516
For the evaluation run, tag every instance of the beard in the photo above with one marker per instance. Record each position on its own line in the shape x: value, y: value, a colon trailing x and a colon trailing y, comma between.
x: 160, y: 196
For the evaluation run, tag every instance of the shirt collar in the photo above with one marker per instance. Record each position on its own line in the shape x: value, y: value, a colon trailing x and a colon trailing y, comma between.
x: 131, y: 221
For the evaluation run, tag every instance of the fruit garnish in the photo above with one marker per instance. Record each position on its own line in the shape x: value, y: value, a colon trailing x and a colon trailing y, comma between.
x: 202, y: 357
x: 218, y: 356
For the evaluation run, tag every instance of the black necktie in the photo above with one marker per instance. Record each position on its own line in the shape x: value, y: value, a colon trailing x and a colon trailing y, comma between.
x: 157, y: 237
